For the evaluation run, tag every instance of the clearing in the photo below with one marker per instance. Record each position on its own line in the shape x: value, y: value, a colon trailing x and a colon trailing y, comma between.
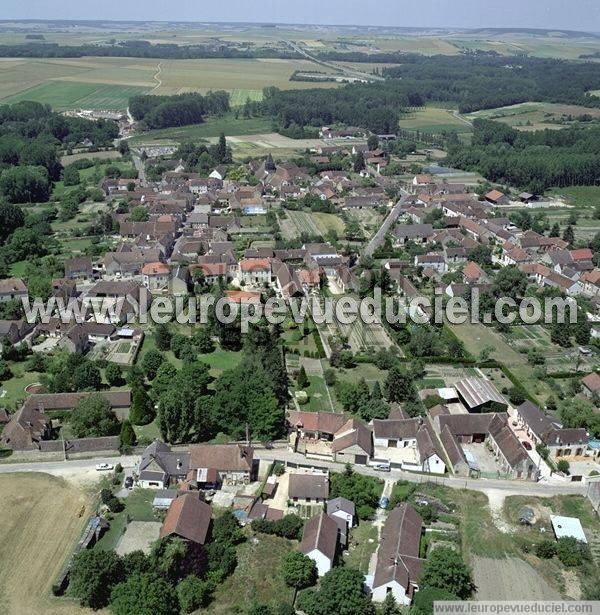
x: 41, y: 519
x: 433, y: 119
x: 534, y: 115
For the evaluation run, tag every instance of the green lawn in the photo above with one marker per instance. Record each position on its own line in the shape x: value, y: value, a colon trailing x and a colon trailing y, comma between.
x: 138, y: 507
x: 318, y: 399
x: 15, y: 386
x: 220, y: 360
x: 363, y: 543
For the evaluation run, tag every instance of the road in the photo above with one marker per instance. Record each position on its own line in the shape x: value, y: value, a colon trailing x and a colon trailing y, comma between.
x: 86, y: 469
x: 352, y: 73
x: 386, y: 225
x: 141, y: 169
x: 510, y: 487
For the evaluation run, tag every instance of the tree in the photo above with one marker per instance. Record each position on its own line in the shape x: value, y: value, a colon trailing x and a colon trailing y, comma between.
x: 87, y: 376
x: 373, y: 142
x: 114, y: 375
x: 559, y: 334
x: 167, y: 372
x: 399, y: 385
x: 569, y: 235
x: 364, y: 491
x: 374, y: 409
x: 144, y: 594
x: 151, y: 362
x: 341, y: 592
x: 142, y: 409
x: 71, y: 176
x: 193, y: 593
x: 426, y: 596
x: 127, y: 436
x: 572, y: 552
x: 203, y: 341
x: 298, y: 570
x: 25, y: 184
x: 376, y: 391
x: 359, y: 162
x: 302, y: 379
x: 445, y: 569
x: 546, y: 549
x: 93, y: 576
x: 162, y: 336
x: 563, y: 466
x: 555, y: 230
x: 93, y: 417
x: 11, y: 218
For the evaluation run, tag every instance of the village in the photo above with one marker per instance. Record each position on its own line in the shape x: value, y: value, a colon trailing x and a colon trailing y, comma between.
x: 376, y: 416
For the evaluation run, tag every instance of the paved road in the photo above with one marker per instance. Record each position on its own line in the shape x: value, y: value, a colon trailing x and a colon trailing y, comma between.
x: 379, y: 236
x: 281, y: 453
x: 512, y: 487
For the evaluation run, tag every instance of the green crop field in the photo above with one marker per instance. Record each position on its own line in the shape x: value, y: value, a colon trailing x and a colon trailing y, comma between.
x: 69, y: 95
x: 433, y: 119
x: 107, y: 83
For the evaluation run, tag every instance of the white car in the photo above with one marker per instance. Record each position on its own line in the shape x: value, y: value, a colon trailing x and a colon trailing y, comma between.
x: 104, y: 466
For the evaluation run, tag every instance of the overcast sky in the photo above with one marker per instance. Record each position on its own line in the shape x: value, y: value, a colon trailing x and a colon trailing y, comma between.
x: 565, y: 14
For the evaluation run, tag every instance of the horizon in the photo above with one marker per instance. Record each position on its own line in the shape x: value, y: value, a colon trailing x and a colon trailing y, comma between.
x: 460, y: 14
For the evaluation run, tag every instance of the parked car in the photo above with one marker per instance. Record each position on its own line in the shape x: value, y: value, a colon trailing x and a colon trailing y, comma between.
x: 104, y: 466
x: 526, y: 445
x: 384, y: 503
x: 128, y: 482
x: 382, y: 467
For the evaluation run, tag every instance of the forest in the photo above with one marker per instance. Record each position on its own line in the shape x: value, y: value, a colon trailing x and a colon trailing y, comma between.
x: 531, y: 160
x: 177, y: 110
x: 140, y: 49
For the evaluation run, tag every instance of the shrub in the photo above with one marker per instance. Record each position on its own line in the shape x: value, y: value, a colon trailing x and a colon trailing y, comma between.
x: 563, y: 466
x: 571, y: 552
x: 545, y: 549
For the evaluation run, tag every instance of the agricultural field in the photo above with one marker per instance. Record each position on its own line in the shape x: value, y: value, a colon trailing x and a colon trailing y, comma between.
x: 297, y: 222
x: 107, y: 83
x: 434, y: 119
x: 41, y: 519
x: 534, y: 115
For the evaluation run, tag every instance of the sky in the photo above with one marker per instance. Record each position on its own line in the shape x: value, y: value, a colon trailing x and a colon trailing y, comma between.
x: 564, y: 14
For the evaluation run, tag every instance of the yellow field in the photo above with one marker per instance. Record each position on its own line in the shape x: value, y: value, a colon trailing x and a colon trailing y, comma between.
x: 40, y: 523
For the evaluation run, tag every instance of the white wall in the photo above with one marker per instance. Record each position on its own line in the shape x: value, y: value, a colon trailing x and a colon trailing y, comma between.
x: 322, y: 562
x: 379, y: 593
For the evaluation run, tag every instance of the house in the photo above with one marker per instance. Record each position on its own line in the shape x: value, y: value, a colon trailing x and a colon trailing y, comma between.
x: 219, y: 172
x: 316, y: 425
x: 342, y: 508
x: 541, y: 429
x: 320, y: 542
x: 75, y: 340
x: 255, y: 271
x: 418, y: 233
x: 398, y: 564
x: 590, y: 384
x: 15, y: 331
x: 479, y: 395
x: 155, y: 276
x: 454, y: 453
x: 26, y: 429
x: 433, y: 261
x: 160, y: 468
x: 353, y: 443
x: 308, y: 488
x: 12, y: 288
x: 495, y: 197
x: 189, y: 518
x: 473, y: 274
x: 234, y: 463
x: 80, y: 269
